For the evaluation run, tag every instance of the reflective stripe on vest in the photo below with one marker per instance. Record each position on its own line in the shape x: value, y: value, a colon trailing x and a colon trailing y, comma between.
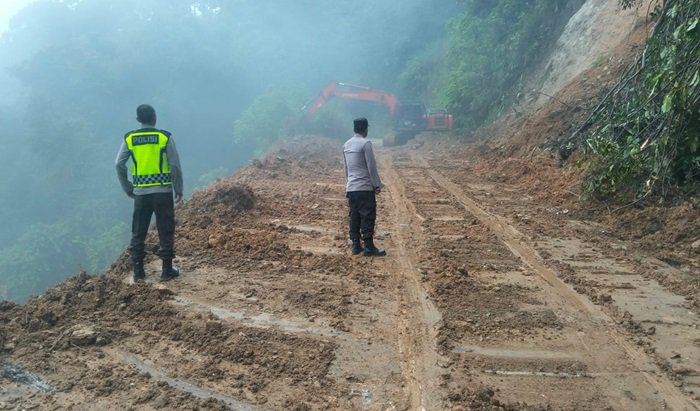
x: 149, y: 161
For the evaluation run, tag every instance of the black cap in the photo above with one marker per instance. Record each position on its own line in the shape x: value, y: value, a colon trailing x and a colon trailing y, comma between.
x: 360, y: 124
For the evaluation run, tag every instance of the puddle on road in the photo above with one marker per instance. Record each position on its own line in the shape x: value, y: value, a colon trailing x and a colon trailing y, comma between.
x: 263, y: 320
x: 306, y: 228
x: 366, y: 397
x: 449, y: 218
x: 540, y: 374
x: 501, y: 353
x: 321, y: 184
x: 335, y: 199
x: 17, y: 374
x: 178, y: 384
x: 449, y: 237
x: 320, y: 250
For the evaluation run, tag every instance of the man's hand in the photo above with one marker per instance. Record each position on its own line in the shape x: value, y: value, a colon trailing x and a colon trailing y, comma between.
x: 378, y: 190
x: 130, y: 194
x: 178, y: 197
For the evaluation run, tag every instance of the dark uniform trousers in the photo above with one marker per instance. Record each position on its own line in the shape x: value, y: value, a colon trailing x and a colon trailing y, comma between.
x: 163, y: 206
x: 363, y: 213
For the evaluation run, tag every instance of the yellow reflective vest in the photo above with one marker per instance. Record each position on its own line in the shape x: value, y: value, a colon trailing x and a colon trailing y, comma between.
x: 149, y: 161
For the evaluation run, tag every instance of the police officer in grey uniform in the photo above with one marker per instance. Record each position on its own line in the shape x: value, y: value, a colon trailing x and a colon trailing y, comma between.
x: 362, y: 186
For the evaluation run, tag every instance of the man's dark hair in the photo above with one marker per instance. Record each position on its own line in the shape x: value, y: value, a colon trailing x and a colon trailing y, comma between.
x: 146, y: 114
x: 360, y: 125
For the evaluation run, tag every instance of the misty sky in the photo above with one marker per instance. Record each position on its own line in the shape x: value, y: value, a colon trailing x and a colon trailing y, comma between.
x: 9, y: 8
x: 70, y: 88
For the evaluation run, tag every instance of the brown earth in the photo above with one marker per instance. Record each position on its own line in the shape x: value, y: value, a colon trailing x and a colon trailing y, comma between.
x: 502, y: 290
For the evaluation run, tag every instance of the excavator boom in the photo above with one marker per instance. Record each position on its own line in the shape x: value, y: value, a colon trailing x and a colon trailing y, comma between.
x: 350, y: 92
x: 410, y: 117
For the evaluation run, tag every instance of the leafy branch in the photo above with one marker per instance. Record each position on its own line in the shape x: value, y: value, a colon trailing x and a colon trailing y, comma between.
x: 643, y: 139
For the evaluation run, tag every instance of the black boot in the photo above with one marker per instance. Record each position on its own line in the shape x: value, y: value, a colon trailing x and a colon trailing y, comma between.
x: 139, y: 272
x: 169, y: 272
x: 356, y: 247
x: 371, y: 250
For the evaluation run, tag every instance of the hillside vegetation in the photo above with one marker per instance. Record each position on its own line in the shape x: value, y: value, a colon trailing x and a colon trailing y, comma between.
x: 643, y: 140
x: 493, y: 44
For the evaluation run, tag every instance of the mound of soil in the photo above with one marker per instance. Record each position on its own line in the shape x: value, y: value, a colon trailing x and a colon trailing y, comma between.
x: 224, y: 199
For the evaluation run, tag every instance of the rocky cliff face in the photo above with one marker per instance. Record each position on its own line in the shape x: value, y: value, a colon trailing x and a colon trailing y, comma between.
x: 591, y: 38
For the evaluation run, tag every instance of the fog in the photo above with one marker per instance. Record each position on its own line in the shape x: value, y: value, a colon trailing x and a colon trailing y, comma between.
x: 72, y: 73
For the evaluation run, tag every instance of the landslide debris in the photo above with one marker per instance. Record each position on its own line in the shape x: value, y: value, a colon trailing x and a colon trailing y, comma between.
x: 86, y: 317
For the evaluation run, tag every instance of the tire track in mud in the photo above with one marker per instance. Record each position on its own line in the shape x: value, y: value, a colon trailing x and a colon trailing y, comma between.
x: 312, y: 290
x: 419, y: 317
x: 599, y: 329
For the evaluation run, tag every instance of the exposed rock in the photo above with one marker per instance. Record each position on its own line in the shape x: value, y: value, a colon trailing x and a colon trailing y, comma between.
x: 83, y: 336
x: 696, y: 245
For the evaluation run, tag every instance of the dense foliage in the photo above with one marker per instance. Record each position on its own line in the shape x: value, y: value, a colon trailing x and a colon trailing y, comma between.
x: 493, y: 44
x: 265, y: 119
x: 644, y: 138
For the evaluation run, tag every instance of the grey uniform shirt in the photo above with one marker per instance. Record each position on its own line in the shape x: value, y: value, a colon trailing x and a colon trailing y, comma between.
x: 173, y: 162
x: 360, y: 167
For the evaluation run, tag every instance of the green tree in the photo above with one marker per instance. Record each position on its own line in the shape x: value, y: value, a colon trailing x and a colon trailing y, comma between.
x: 644, y: 139
x: 265, y: 120
x: 493, y: 43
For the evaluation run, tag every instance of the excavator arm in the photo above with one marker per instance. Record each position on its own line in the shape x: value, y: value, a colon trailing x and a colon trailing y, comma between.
x: 409, y: 117
x: 350, y: 92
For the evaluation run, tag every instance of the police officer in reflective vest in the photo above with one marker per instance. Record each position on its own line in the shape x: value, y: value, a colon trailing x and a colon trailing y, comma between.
x: 156, y: 174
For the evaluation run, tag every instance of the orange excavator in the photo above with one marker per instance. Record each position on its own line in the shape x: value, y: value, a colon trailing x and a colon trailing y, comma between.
x: 410, y: 117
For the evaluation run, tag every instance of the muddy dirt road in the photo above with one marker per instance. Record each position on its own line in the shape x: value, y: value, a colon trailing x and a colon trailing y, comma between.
x: 489, y: 299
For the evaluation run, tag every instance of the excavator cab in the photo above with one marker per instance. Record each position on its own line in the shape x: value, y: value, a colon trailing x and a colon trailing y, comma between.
x: 410, y: 116
x: 439, y: 119
x: 410, y: 119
